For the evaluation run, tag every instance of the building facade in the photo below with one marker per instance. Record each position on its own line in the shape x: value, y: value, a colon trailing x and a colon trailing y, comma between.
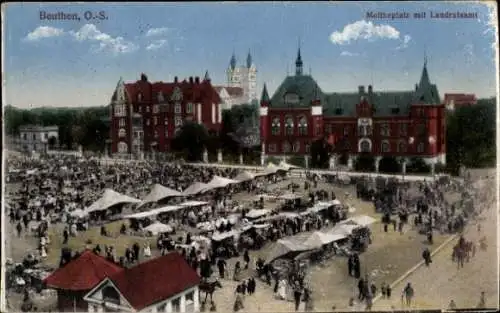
x: 241, y: 86
x: 145, y: 116
x: 399, y: 124
x: 38, y: 138
x: 452, y: 101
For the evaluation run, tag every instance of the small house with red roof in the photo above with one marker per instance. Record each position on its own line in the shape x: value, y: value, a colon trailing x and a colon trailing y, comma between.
x: 74, y: 280
x: 164, y: 284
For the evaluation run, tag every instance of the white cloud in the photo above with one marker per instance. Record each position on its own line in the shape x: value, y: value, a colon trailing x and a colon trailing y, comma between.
x: 115, y: 45
x: 157, y: 44
x: 157, y: 31
x: 363, y: 30
x: 348, y: 54
x: 44, y: 32
x: 404, y: 44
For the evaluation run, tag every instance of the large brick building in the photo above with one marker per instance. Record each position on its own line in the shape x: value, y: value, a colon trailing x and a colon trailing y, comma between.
x: 146, y: 115
x: 397, y: 124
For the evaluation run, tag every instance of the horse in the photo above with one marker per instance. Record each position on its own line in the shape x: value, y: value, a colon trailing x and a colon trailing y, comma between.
x: 209, y: 287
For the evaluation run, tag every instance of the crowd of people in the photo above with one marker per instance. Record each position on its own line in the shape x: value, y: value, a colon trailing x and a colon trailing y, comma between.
x: 47, y: 190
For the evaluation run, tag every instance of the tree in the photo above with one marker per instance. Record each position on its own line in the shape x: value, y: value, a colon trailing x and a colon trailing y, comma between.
x: 319, y: 154
x: 417, y: 165
x: 192, y: 140
x: 470, y: 135
x: 389, y: 165
x: 365, y: 162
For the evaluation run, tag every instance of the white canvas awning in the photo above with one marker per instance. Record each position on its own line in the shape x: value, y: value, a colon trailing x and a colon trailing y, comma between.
x: 289, y: 196
x: 225, y: 235
x: 109, y: 199
x: 78, y: 213
x: 158, y: 228
x: 287, y: 166
x: 257, y: 213
x: 360, y: 220
x: 193, y: 203
x: 220, y: 182
x: 154, y: 212
x: 160, y: 192
x: 318, y: 239
x: 194, y: 189
x: 244, y: 176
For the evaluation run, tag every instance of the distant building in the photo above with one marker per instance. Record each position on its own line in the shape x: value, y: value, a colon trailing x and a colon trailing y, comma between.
x: 452, y: 101
x: 397, y: 124
x: 145, y: 116
x: 38, y: 138
x: 241, y: 86
x: 163, y: 284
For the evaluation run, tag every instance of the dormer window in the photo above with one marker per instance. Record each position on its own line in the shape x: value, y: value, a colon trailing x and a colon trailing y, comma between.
x: 139, y: 97
x: 292, y: 98
x: 160, y: 97
x: 338, y: 111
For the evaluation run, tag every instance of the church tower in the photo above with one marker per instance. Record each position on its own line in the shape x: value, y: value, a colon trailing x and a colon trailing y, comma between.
x: 244, y: 77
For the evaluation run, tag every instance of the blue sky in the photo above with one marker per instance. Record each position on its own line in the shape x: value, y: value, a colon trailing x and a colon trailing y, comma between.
x: 77, y: 63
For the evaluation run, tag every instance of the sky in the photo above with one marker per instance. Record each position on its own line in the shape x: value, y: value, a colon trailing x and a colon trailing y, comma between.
x: 72, y: 63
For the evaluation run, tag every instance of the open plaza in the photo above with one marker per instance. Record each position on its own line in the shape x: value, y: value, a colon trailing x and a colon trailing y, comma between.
x: 274, y: 238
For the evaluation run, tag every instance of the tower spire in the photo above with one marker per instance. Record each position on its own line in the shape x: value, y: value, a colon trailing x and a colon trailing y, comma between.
x: 249, y: 59
x: 232, y: 63
x: 298, y: 62
x: 265, y: 94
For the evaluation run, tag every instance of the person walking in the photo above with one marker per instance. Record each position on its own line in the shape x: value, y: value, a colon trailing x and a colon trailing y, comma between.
x: 426, y: 255
x: 297, y: 295
x: 408, y: 294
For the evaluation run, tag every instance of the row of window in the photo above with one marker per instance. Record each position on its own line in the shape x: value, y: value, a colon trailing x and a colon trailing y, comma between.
x: 160, y: 96
x: 122, y: 133
x: 385, y: 147
x: 286, y: 147
x: 120, y: 109
x: 385, y: 130
x: 178, y: 121
x: 45, y: 136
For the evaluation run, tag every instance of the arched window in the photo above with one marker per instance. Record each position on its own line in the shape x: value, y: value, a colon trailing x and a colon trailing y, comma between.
x: 302, y: 126
x: 122, y: 133
x: 385, y: 146
x: 365, y: 145
x: 109, y: 294
x: 402, y: 146
x: 122, y: 147
x: 275, y: 126
x: 286, y: 147
x: 296, y: 146
x: 156, y: 134
x: 289, y: 126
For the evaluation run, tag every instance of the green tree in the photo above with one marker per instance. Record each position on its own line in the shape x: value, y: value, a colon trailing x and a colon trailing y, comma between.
x: 192, y: 140
x: 319, y: 154
x: 389, y: 165
x: 365, y: 162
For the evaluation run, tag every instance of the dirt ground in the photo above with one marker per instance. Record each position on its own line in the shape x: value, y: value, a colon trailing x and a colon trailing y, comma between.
x: 388, y: 257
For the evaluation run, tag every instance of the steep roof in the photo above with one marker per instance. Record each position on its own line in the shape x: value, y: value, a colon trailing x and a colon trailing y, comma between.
x: 303, y: 85
x: 83, y: 273
x: 155, y: 280
x: 194, y: 92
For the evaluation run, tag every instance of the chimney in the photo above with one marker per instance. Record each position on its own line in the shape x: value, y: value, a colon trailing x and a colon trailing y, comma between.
x: 197, y: 80
x: 190, y: 79
x: 361, y: 90
x: 176, y: 79
x: 144, y: 78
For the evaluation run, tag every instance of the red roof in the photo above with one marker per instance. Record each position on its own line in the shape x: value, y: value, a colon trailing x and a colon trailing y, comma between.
x: 155, y: 280
x: 83, y: 273
x: 232, y: 91
x: 195, y: 91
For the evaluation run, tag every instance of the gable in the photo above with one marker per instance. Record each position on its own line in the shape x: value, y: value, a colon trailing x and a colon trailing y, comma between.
x: 177, y: 94
x: 102, y: 292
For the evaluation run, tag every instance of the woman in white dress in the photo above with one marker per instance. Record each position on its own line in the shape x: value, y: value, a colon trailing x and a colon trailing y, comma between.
x: 147, y: 250
x: 282, y: 289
